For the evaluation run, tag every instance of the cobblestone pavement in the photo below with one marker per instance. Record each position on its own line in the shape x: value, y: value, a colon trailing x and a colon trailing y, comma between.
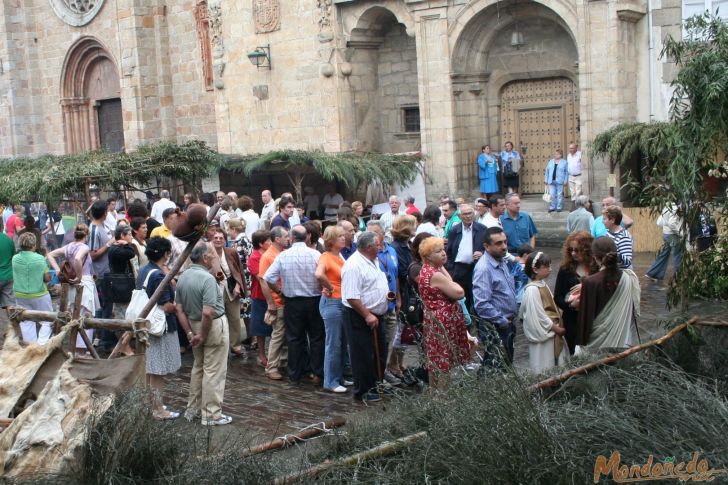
x: 263, y: 409
x: 270, y: 408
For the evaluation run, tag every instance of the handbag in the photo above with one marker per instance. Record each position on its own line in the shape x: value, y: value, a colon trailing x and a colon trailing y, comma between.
x: 157, y: 318
x: 67, y: 271
x: 546, y: 195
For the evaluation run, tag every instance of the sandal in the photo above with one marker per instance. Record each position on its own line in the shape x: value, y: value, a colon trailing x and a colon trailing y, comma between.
x: 263, y: 361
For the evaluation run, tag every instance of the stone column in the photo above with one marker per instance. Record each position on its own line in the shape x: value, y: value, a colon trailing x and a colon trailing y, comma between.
x: 436, y: 103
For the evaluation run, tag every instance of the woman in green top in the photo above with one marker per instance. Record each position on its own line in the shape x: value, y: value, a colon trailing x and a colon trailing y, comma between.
x: 30, y: 275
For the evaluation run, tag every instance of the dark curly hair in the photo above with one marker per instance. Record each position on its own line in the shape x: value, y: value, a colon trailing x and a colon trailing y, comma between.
x: 157, y: 247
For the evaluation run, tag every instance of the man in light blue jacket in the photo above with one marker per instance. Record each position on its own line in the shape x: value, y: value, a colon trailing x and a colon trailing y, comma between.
x: 557, y: 174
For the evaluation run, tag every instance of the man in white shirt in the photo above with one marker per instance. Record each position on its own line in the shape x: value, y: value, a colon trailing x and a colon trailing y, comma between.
x: 160, y: 205
x: 497, y: 207
x: 387, y: 219
x: 574, y: 161
x: 269, y: 208
x: 331, y: 203
x: 252, y: 221
x: 364, y: 296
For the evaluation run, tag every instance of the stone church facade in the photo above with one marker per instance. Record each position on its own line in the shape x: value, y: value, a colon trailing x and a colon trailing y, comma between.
x: 438, y: 76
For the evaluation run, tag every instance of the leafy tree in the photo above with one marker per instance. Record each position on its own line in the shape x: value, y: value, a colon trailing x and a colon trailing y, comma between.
x: 679, y: 155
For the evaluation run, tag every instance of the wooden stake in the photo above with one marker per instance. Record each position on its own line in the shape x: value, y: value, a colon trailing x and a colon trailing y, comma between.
x: 584, y: 369
x: 75, y: 316
x: 167, y: 278
x: 387, y: 448
x: 288, y: 440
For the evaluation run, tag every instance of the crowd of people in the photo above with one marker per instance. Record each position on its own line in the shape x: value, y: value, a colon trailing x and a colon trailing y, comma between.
x: 319, y: 292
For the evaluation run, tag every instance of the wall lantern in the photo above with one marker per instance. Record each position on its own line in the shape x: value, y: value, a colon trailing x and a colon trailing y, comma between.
x: 517, y: 39
x: 260, y: 57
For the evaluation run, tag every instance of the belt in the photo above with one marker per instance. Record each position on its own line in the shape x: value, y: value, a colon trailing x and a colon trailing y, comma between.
x: 218, y: 316
x: 574, y: 174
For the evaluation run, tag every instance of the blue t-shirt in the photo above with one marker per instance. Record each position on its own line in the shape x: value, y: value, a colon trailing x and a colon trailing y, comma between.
x: 388, y: 264
x: 518, y: 231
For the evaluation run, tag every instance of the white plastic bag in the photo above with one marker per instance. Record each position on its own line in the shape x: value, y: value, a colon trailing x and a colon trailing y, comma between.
x: 157, y: 319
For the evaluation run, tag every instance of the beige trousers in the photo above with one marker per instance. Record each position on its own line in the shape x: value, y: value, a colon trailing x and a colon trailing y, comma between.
x: 574, y: 186
x: 277, y: 348
x: 207, y: 378
x: 232, y: 312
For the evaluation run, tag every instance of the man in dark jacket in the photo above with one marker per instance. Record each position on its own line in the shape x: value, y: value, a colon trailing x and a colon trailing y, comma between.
x: 465, y: 245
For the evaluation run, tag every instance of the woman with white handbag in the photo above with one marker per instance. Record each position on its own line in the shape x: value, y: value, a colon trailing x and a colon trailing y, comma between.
x: 163, y: 351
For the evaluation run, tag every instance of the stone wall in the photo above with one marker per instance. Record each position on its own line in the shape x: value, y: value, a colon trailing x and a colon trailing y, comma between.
x: 156, y: 100
x: 397, y: 81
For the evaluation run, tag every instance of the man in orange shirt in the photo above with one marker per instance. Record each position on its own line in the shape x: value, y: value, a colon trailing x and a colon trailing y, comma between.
x: 277, y: 349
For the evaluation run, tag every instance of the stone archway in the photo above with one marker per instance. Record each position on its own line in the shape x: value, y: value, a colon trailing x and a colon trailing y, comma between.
x: 383, y: 95
x: 91, y: 99
x: 485, y: 60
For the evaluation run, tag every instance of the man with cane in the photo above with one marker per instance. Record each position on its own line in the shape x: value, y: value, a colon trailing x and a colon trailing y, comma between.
x: 364, y: 295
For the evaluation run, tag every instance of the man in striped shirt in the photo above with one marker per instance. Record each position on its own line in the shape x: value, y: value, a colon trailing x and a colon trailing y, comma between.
x: 620, y: 235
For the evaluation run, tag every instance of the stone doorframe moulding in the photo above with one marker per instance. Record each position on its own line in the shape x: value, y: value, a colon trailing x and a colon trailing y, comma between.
x: 76, y: 13
x: 80, y: 117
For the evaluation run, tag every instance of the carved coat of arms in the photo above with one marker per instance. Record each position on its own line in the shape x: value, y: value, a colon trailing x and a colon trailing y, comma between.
x: 267, y: 15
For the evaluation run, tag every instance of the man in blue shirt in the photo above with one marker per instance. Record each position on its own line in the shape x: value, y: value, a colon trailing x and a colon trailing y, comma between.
x: 599, y: 229
x: 517, y: 225
x: 494, y: 292
x: 349, y: 232
x: 388, y: 263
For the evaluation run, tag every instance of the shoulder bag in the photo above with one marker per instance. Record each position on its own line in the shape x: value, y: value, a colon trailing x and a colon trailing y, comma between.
x: 139, y: 298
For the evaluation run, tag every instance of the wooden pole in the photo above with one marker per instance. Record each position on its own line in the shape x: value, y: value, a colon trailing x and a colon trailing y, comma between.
x: 377, y: 355
x: 584, y: 369
x: 62, y: 307
x: 288, y: 440
x: 75, y: 316
x: 387, y: 448
x: 167, y: 278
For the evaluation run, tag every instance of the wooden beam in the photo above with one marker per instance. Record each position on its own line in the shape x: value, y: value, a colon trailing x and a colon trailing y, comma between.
x: 610, y: 359
x: 387, y: 448
x: 89, y: 322
x: 289, y: 439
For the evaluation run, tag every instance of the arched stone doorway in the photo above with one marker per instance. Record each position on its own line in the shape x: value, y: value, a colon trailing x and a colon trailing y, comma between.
x: 383, y: 89
x: 515, y: 78
x: 538, y: 117
x: 91, y: 99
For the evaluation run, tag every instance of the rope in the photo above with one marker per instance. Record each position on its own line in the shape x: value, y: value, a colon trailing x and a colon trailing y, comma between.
x: 14, y: 314
x: 294, y: 439
x: 141, y: 334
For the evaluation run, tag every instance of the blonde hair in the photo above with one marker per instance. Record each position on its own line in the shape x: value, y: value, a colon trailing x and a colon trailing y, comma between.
x: 27, y: 241
x: 237, y: 224
x: 430, y: 245
x: 331, y: 234
x: 403, y: 226
x: 356, y: 205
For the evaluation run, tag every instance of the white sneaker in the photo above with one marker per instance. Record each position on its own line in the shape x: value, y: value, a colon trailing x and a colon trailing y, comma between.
x: 338, y: 389
x: 348, y: 382
x: 221, y: 421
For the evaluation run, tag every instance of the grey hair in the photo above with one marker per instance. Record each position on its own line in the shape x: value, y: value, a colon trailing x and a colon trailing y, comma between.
x: 277, y: 232
x: 366, y: 240
x: 121, y: 231
x: 510, y: 196
x: 375, y: 223
x: 409, y: 199
x: 581, y: 201
x: 164, y: 194
x: 393, y: 198
x: 198, y: 252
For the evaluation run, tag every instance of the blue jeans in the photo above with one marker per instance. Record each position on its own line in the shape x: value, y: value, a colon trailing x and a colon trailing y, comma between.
x: 557, y: 196
x: 331, y: 311
x: 659, y: 267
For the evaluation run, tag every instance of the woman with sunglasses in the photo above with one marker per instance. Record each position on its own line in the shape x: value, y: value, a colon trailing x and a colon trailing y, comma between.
x: 577, y: 264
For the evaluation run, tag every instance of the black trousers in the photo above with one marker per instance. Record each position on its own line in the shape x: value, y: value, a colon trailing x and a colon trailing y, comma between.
x: 304, y: 328
x: 361, y: 352
x: 462, y: 274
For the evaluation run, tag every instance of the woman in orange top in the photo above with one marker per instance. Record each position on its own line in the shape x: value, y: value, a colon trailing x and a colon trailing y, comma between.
x: 328, y: 274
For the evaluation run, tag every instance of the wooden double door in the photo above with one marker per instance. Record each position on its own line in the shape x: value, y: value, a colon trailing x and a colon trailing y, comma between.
x: 539, y: 116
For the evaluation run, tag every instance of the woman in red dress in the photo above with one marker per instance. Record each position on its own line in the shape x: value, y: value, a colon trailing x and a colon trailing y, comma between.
x: 446, y: 338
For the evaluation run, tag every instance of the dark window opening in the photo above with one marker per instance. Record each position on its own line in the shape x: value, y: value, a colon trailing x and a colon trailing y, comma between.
x: 411, y: 119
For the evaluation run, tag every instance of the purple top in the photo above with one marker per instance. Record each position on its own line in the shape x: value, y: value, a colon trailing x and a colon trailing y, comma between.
x: 72, y: 249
